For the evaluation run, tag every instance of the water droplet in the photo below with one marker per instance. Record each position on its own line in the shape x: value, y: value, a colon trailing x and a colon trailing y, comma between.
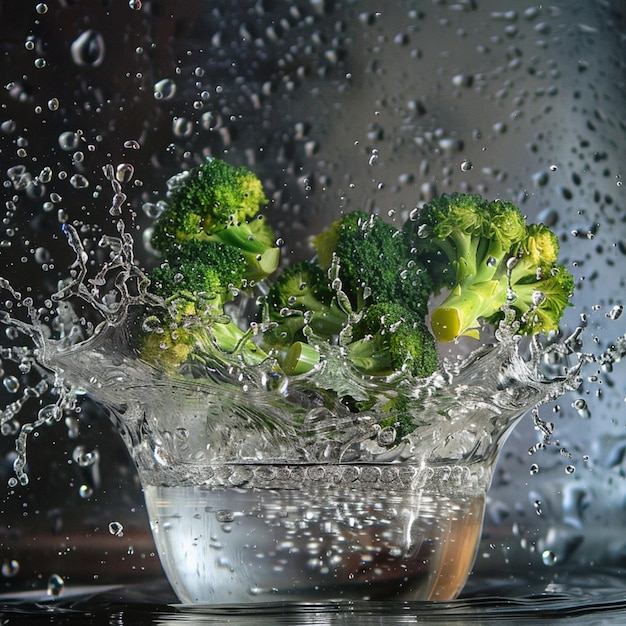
x: 55, y: 586
x: 11, y: 384
x: 40, y: 63
x: 88, y: 48
x: 570, y: 469
x: 373, y: 157
x: 466, y: 165
x: 540, y: 179
x: 116, y: 529
x: 548, y: 557
x: 41, y: 8
x: 164, y: 89
x: 615, y: 312
x: 132, y: 144
x: 224, y: 516
x: 53, y: 104
x: 182, y: 127
x: 84, y: 458
x: 85, y: 492
x: 534, y: 469
x: 135, y: 5
x: 124, y: 172
x: 68, y: 140
x: 78, y: 181
x: 553, y: 168
x: 10, y: 567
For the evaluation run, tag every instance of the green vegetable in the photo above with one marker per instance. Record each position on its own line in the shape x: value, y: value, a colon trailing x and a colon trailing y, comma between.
x: 301, y: 296
x: 469, y: 246
x: 364, y: 298
x: 220, y: 203
x: 196, y: 284
x: 389, y: 338
x: 215, y: 246
x: 375, y: 264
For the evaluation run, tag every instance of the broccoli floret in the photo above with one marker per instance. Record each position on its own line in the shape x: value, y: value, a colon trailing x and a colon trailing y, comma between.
x: 195, y: 284
x: 468, y: 245
x: 301, y: 296
x: 374, y: 262
x: 539, y: 288
x: 221, y: 203
x: 389, y: 338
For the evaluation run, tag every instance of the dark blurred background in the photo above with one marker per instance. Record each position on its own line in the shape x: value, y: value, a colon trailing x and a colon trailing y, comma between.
x: 336, y: 105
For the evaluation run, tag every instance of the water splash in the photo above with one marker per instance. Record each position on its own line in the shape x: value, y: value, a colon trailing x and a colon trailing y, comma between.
x: 462, y: 413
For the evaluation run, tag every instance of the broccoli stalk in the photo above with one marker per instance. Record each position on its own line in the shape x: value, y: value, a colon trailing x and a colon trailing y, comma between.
x: 469, y: 246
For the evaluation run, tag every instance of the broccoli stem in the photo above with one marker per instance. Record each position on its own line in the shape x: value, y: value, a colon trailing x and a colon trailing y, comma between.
x: 458, y: 314
x: 225, y: 337
x: 367, y: 358
x: 301, y: 358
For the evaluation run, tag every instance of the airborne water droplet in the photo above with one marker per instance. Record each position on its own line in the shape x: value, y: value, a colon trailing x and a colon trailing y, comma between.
x: 68, y: 140
x: 10, y: 567
x: 548, y: 557
x: 164, y: 89
x: 88, y: 48
x: 55, y: 586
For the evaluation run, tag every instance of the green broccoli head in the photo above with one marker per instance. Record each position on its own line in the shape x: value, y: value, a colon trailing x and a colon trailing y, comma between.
x: 302, y: 296
x: 540, y: 288
x: 389, y: 338
x: 206, y: 200
x: 375, y: 264
x: 220, y: 203
x: 464, y: 237
x: 468, y: 245
x: 195, y: 283
x: 213, y: 270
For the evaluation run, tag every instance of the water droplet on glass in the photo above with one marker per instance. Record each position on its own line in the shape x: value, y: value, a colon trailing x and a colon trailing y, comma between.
x: 466, y: 165
x: 88, y: 48
x: 41, y: 8
x: 53, y: 104
x: 135, y: 5
x: 116, y: 529
x: 132, y: 144
x: 224, y: 516
x: 55, y: 586
x: 534, y: 469
x: 373, y: 157
x: 164, y: 89
x: 40, y: 63
x: 553, y: 168
x: 615, y: 312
